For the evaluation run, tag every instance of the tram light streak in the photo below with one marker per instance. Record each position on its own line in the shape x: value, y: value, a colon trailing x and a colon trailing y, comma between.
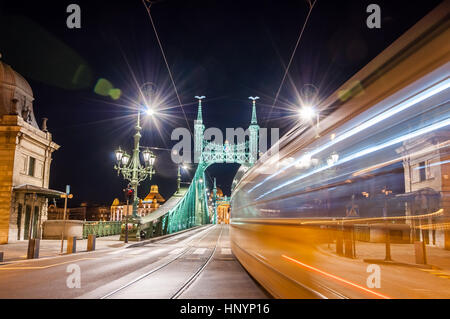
x: 336, y: 277
x: 364, y: 152
x: 371, y: 122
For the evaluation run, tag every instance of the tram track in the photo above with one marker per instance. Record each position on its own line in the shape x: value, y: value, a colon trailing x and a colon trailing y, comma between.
x: 194, y: 277
x: 186, y: 284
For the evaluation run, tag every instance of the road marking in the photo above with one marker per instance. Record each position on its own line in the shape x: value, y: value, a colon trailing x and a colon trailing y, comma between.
x: 437, y: 273
x: 199, y: 251
x: 44, y: 267
x: 176, y: 251
x: 226, y: 251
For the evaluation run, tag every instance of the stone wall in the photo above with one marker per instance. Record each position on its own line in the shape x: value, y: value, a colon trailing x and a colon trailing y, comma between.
x: 53, y: 229
x: 8, y: 135
x: 20, y: 141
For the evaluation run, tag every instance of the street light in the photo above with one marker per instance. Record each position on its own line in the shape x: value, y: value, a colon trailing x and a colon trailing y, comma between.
x: 308, y: 98
x: 125, y: 159
x: 149, y: 157
x: 150, y: 112
x: 130, y: 165
x: 308, y: 113
x: 119, y: 154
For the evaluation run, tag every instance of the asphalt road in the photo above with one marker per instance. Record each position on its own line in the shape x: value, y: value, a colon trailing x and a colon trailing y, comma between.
x: 195, y: 264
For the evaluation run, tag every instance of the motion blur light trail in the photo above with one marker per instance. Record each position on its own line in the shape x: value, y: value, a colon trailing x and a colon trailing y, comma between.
x: 336, y: 277
x: 371, y: 122
x: 364, y: 152
x: 371, y: 189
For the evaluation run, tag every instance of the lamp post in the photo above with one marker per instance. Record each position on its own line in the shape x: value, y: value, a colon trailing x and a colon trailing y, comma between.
x: 130, y: 166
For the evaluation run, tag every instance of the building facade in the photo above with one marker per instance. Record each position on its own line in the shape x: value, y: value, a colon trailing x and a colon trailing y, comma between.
x: 150, y: 203
x: 426, y: 163
x: 222, y: 206
x: 25, y: 158
x: 86, y: 212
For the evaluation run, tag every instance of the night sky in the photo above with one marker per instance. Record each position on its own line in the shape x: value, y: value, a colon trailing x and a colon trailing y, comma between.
x: 226, y: 50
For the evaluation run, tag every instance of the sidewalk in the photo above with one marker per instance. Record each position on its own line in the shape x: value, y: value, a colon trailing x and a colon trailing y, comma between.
x: 51, y: 248
x: 400, y: 253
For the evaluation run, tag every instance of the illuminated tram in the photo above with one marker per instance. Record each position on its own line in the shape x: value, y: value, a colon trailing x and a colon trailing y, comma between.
x: 374, y: 184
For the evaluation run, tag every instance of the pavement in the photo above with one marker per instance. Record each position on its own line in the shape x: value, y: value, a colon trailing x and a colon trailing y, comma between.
x: 437, y: 258
x: 402, y: 279
x: 51, y: 248
x: 200, y: 264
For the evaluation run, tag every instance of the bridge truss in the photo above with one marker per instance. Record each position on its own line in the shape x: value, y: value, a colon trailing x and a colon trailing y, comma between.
x: 192, y: 208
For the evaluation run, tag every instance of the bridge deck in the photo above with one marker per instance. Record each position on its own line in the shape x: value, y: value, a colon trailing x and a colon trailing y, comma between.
x: 166, y: 207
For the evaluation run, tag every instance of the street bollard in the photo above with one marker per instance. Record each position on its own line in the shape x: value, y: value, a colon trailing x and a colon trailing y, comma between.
x: 71, y: 245
x: 1, y: 256
x: 33, y: 248
x: 91, y: 242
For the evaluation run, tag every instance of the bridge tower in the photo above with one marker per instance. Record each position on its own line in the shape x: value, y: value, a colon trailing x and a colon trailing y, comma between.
x: 199, y: 129
x: 192, y: 209
x: 254, y: 134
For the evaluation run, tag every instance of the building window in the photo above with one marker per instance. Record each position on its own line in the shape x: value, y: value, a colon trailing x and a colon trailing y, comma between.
x: 31, y: 166
x: 422, y: 172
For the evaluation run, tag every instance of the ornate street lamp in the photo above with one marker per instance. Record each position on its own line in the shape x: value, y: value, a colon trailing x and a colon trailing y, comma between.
x: 119, y: 155
x: 131, y: 167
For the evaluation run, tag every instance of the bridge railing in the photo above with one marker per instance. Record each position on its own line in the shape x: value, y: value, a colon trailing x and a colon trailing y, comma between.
x: 101, y: 229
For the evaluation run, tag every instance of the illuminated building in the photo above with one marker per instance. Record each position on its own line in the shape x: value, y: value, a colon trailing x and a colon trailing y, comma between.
x: 150, y: 203
x: 87, y: 212
x: 25, y: 158
x: 223, y: 207
x: 426, y: 165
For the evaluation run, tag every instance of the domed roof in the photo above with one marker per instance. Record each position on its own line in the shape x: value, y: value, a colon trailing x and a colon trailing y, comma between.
x: 154, y: 194
x: 10, y: 77
x: 16, y: 95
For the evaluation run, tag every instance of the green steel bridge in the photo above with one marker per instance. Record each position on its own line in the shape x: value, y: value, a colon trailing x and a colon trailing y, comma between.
x: 188, y: 207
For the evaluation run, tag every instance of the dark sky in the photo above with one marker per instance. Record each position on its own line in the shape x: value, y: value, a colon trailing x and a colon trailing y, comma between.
x: 226, y: 50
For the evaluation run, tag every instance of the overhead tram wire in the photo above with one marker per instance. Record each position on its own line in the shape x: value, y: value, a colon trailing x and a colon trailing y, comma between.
x: 147, y: 7
x: 311, y: 7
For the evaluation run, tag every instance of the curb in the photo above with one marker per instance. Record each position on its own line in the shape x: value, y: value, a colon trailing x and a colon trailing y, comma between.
x: 397, y: 263
x: 16, y: 261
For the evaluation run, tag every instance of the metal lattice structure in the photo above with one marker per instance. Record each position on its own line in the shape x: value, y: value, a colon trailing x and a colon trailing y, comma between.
x: 191, y: 209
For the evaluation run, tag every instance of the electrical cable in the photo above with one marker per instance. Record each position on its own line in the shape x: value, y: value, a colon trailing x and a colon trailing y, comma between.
x: 311, y: 7
x: 165, y: 59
